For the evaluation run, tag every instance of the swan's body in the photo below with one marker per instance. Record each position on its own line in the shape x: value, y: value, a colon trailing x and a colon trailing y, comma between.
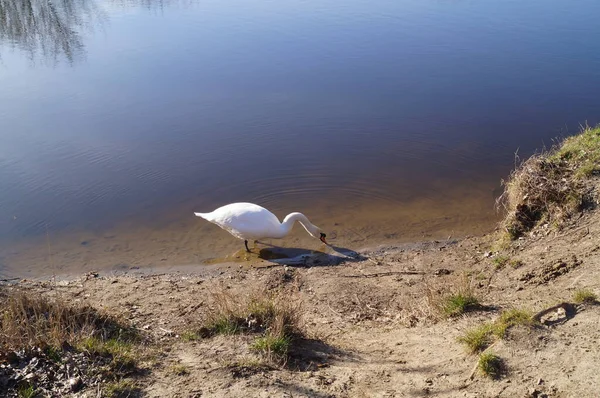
x: 248, y: 221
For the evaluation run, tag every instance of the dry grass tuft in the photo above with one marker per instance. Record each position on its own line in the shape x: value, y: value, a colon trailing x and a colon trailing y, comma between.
x: 481, y: 337
x: 179, y: 370
x: 32, y: 323
x: 500, y: 261
x: 450, y: 300
x: 275, y: 320
x: 260, y: 312
x: 478, y: 339
x: 551, y: 187
x: 585, y: 296
x: 29, y: 320
x: 121, y: 389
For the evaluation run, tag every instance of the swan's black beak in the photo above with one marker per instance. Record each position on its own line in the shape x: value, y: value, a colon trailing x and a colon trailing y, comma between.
x: 322, y: 238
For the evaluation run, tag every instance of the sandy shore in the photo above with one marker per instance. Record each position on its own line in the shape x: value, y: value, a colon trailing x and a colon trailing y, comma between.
x: 369, y: 322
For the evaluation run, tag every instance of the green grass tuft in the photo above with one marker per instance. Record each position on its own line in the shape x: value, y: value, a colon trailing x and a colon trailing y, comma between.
x: 490, y: 365
x: 121, y: 352
x: 500, y: 261
x: 510, y: 318
x: 516, y: 264
x: 272, y: 345
x: 180, y: 370
x: 459, y: 303
x: 225, y: 325
x: 582, y: 152
x: 54, y: 354
x: 121, y: 389
x: 584, y: 296
x: 190, y: 335
x: 550, y: 188
x: 26, y: 391
x: 480, y: 338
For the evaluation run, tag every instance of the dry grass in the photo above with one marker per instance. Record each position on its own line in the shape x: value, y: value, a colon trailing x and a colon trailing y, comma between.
x: 260, y: 312
x: 585, y: 296
x: 274, y: 318
x: 179, y: 370
x: 121, y: 389
x: 274, y: 346
x: 31, y: 320
x: 452, y: 299
x: 481, y: 337
x: 500, y: 261
x: 551, y: 187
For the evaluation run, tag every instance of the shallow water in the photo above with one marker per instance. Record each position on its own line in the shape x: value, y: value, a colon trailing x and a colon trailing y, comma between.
x: 382, y: 121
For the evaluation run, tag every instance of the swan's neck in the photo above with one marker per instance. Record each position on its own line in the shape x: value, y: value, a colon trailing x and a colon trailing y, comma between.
x: 290, y: 219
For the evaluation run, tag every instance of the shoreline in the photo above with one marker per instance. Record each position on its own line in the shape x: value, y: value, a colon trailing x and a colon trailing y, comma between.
x: 333, y: 256
x: 197, y: 242
x: 375, y: 330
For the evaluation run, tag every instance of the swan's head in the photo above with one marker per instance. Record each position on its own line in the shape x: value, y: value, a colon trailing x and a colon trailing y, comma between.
x: 317, y: 233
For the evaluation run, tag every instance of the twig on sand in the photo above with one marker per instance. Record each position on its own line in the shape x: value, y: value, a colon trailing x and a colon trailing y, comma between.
x: 379, y: 274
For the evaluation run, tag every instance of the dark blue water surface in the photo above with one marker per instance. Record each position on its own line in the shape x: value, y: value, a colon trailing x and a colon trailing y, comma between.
x: 379, y: 117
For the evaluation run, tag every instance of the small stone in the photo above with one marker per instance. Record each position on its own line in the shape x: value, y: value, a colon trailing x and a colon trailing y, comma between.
x: 535, y: 393
x: 540, y: 381
x: 75, y: 384
x: 442, y: 271
x: 12, y: 357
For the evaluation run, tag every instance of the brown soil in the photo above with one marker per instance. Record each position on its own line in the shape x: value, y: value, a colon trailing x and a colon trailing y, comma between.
x: 370, y: 330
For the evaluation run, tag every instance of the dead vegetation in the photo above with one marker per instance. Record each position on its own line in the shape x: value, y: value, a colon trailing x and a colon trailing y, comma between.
x: 273, y: 320
x: 585, y: 296
x: 551, y: 187
x: 29, y: 321
x: 453, y: 298
x: 481, y: 337
x: 41, y: 336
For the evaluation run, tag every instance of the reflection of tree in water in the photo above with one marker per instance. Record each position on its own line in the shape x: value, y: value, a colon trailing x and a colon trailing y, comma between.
x: 47, y: 28
x: 152, y: 4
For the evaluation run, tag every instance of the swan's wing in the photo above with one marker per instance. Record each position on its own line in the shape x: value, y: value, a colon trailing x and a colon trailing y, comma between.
x: 245, y: 220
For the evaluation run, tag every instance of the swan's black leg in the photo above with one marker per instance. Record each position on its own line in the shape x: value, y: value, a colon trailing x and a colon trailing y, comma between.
x: 246, y: 243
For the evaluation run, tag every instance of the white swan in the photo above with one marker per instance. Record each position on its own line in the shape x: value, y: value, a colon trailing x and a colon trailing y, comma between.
x: 248, y: 221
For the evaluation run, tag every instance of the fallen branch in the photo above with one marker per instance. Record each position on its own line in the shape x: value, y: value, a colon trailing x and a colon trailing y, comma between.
x: 379, y: 274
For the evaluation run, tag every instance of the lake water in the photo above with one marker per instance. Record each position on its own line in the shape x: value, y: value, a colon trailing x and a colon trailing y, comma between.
x: 383, y: 121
